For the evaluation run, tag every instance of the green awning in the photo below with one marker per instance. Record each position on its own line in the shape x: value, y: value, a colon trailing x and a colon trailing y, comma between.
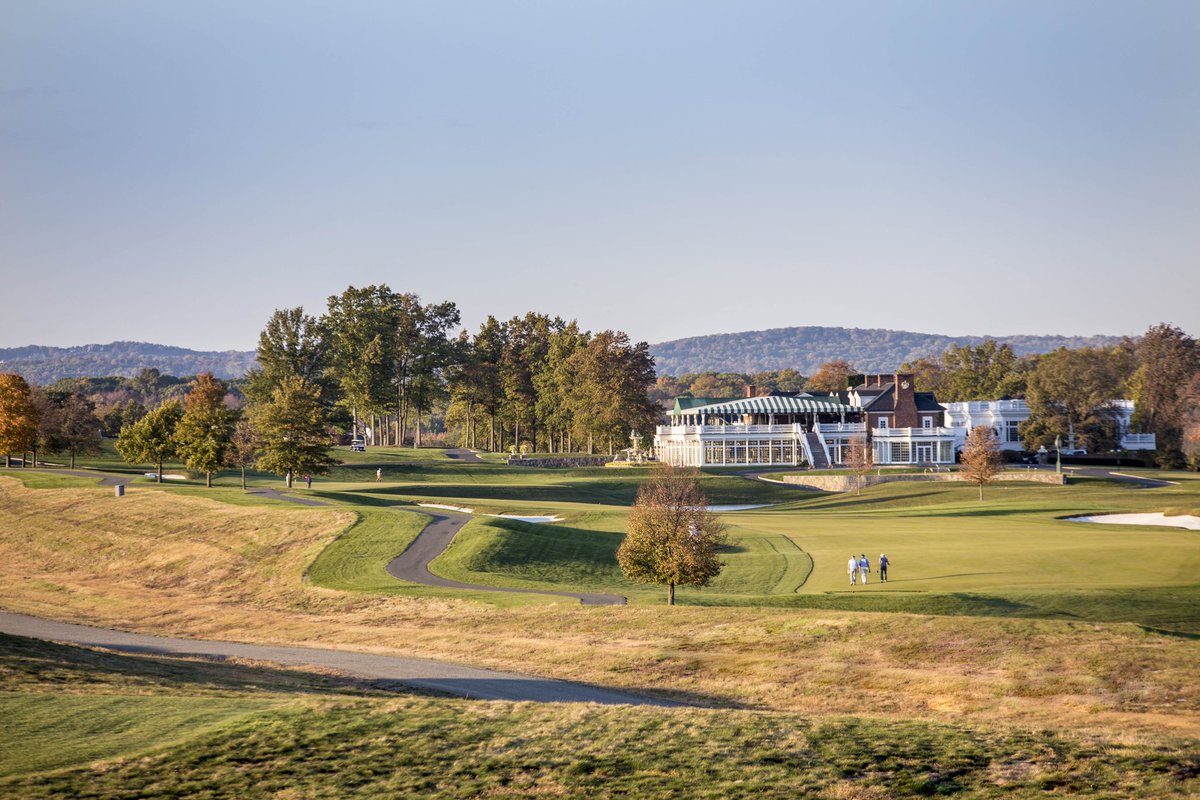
x: 772, y: 404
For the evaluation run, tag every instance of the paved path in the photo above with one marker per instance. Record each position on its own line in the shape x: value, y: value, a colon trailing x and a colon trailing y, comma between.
x: 1136, y: 481
x: 275, y: 494
x: 105, y: 480
x: 413, y: 564
x: 463, y: 454
x: 439, y: 676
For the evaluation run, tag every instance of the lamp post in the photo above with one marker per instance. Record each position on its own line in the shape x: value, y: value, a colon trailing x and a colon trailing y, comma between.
x: 1058, y: 454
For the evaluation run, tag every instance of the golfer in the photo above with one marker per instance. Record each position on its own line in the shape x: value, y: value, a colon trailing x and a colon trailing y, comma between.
x: 864, y: 567
x: 883, y: 565
x: 852, y: 568
x: 379, y: 475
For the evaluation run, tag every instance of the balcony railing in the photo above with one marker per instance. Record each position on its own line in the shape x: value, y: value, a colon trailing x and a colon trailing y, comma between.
x: 827, y: 428
x: 912, y: 433
x: 1138, y: 441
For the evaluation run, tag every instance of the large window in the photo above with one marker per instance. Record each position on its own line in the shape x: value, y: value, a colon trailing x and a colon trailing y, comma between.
x: 901, y: 453
x: 1013, y: 435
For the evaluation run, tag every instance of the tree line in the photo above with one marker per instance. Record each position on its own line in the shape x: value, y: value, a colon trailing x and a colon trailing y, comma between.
x: 377, y: 364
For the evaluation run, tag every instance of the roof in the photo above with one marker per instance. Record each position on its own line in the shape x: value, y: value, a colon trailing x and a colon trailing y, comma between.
x: 927, y: 401
x: 688, y: 403
x: 776, y: 404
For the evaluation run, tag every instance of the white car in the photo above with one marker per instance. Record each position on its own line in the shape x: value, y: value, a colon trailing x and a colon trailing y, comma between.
x: 358, y: 446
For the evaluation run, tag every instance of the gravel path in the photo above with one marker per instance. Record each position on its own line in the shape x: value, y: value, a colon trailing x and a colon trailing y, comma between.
x: 413, y: 564
x: 439, y: 676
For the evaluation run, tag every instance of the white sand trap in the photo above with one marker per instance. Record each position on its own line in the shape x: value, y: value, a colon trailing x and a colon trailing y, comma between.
x: 459, y: 509
x: 1182, y: 521
x: 166, y: 477
x: 719, y: 509
x: 525, y: 519
x: 463, y: 510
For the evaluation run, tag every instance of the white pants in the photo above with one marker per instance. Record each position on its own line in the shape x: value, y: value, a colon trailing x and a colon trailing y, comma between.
x: 864, y: 576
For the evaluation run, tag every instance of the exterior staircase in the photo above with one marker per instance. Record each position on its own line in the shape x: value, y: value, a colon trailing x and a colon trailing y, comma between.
x: 816, y: 450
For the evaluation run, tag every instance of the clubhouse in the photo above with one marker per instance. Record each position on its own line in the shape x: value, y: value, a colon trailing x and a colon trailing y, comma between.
x: 814, y: 428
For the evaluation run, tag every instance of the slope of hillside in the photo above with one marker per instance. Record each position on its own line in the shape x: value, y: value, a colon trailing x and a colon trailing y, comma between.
x: 44, y: 365
x: 806, y: 348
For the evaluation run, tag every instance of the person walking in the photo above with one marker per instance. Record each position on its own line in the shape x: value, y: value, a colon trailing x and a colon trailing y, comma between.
x: 883, y: 565
x: 308, y: 481
x: 864, y: 567
x: 379, y: 475
x: 852, y: 568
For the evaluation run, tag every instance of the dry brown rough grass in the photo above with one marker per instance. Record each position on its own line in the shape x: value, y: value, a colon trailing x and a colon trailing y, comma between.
x: 156, y: 562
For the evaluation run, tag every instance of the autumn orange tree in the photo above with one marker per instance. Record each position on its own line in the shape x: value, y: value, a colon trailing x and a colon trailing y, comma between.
x: 18, y: 416
x: 671, y: 536
x: 981, y: 461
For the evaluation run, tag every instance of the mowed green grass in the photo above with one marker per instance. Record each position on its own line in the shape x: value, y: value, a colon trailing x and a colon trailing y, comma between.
x: 89, y: 724
x: 1011, y: 554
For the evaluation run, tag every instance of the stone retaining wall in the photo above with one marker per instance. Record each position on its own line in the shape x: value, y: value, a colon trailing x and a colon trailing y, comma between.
x: 847, y: 483
x: 566, y: 462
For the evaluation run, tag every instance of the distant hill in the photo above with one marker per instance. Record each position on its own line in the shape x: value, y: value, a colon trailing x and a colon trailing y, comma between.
x: 42, y: 365
x: 805, y: 349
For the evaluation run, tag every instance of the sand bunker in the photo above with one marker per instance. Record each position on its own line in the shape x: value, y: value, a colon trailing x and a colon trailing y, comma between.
x: 1158, y: 518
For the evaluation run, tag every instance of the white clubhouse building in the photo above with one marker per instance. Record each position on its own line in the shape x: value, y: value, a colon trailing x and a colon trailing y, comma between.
x: 906, y: 427
x: 903, y: 426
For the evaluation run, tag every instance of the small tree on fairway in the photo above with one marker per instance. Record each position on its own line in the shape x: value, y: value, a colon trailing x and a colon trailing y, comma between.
x: 981, y: 457
x: 18, y: 416
x: 294, y: 430
x: 671, y: 536
x: 244, y: 446
x: 203, y: 433
x: 860, y: 459
x: 151, y: 440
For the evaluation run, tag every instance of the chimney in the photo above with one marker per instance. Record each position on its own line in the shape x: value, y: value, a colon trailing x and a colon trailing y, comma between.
x: 750, y: 390
x: 905, y: 401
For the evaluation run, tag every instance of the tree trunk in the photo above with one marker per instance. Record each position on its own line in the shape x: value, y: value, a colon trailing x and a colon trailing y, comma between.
x: 208, y: 479
x: 492, y: 433
x: 289, y: 479
x: 33, y: 452
x: 158, y: 471
x: 981, y: 490
x: 243, y: 479
x: 8, y: 460
x: 72, y: 458
x: 417, y: 430
x: 671, y: 593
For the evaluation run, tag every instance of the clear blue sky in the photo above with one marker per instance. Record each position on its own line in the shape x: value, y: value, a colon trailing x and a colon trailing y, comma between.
x: 174, y: 171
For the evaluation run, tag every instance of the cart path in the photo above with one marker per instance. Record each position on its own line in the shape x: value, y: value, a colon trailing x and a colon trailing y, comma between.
x: 463, y: 454
x: 104, y: 478
x: 439, y: 676
x: 413, y: 564
x: 276, y: 494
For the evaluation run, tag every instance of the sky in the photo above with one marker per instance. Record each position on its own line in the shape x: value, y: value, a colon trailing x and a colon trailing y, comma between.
x: 173, y: 172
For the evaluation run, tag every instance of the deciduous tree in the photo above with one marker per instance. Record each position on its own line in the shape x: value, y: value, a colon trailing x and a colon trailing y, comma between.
x: 981, y: 461
x: 860, y: 460
x: 1071, y: 393
x: 151, y: 440
x: 1167, y: 358
x: 671, y: 536
x: 202, y: 435
x: 294, y: 430
x: 18, y: 416
x: 80, y: 426
x: 244, y: 447
x: 832, y: 376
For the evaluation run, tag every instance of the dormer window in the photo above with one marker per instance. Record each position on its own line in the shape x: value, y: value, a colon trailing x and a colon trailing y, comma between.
x: 927, y: 423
